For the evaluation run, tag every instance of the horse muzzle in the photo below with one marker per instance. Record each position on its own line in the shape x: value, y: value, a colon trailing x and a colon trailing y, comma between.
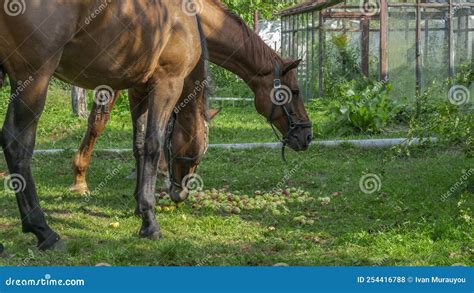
x: 178, y: 194
x: 300, y: 138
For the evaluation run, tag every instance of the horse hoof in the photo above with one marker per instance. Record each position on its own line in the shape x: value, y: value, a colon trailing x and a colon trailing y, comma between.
x: 80, y: 189
x: 59, y: 246
x: 3, y: 253
x: 52, y: 243
x: 153, y: 235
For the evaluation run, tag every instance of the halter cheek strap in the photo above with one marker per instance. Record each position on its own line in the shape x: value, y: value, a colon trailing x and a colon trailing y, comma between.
x: 169, y: 151
x: 292, y: 124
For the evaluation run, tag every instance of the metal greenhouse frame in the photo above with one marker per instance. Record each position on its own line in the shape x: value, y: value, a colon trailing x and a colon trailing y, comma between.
x: 305, y: 28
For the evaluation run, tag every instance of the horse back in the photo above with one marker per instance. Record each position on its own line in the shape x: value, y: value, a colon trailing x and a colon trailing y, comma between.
x: 118, y: 43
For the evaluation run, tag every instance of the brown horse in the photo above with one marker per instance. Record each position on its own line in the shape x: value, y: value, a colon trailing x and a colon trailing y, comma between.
x: 187, y: 135
x: 234, y: 46
x: 149, y: 47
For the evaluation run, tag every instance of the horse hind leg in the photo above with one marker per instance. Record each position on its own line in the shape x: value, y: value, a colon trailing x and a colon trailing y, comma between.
x: 98, y: 120
x: 138, y: 100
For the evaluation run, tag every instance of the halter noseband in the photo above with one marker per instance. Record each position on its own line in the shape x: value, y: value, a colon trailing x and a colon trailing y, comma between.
x: 292, y: 124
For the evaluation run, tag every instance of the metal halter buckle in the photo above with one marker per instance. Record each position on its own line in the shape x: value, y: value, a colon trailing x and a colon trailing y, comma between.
x: 277, y: 83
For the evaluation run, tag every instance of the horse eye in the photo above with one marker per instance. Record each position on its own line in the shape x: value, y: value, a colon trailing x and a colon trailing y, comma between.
x: 295, y: 92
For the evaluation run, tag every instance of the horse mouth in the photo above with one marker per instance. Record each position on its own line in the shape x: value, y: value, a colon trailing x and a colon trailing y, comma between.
x: 297, y: 146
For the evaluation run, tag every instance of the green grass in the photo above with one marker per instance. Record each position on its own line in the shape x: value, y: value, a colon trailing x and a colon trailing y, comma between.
x: 327, y: 220
x: 405, y: 223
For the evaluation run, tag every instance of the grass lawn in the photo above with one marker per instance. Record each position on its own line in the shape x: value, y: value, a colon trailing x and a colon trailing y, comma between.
x: 327, y: 221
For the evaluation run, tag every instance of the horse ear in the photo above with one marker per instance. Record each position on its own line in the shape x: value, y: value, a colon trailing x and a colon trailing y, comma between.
x: 212, y: 113
x: 290, y: 65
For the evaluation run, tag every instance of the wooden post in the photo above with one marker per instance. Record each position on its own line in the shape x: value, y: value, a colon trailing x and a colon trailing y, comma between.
x: 450, y: 39
x: 79, y: 102
x: 292, y: 33
x: 364, y: 43
x: 322, y: 39
x: 307, y: 94
x: 256, y: 21
x: 418, y: 57
x: 466, y: 38
x: 284, y: 36
x: 427, y: 31
x: 418, y: 47
x: 383, y: 40
x: 313, y: 48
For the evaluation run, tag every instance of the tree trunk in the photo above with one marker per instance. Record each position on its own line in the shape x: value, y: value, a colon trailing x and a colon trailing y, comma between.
x: 79, y: 102
x: 256, y: 21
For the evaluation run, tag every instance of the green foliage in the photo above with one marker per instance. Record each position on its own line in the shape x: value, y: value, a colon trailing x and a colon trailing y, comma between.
x: 434, y: 116
x: 227, y: 84
x: 452, y: 125
x: 360, y: 109
x: 354, y: 103
x: 58, y: 84
x: 266, y: 8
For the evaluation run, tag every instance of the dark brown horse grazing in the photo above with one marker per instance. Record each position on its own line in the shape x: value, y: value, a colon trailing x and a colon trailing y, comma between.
x: 186, y: 142
x: 149, y: 47
x: 234, y: 46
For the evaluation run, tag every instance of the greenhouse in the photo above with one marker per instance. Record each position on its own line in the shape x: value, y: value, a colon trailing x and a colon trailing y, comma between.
x: 409, y: 43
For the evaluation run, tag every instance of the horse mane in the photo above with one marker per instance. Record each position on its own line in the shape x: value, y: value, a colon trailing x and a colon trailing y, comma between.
x: 254, y: 41
x: 204, y: 100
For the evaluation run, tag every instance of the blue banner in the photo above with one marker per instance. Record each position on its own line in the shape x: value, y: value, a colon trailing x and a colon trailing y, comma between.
x: 237, y: 279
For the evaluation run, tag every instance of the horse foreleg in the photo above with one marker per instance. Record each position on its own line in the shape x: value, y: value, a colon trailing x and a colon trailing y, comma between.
x: 165, y: 92
x: 18, y: 141
x: 97, y: 122
x: 139, y: 108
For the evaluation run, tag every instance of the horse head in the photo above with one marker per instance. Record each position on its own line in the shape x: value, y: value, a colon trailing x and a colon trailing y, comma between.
x: 278, y: 99
x: 188, y: 141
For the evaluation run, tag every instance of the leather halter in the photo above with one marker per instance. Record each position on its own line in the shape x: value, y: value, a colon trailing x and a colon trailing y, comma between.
x: 293, y: 124
x: 169, y: 152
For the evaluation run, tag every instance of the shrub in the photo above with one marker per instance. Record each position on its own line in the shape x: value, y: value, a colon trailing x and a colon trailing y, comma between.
x: 352, y: 102
x: 356, y: 109
x: 452, y: 125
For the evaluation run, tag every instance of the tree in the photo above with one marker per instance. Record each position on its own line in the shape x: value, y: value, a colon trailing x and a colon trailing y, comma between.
x: 79, y: 102
x: 266, y: 8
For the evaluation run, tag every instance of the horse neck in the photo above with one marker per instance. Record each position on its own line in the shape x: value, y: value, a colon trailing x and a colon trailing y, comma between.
x: 234, y: 46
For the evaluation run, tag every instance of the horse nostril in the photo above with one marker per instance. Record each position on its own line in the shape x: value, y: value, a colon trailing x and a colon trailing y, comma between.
x: 309, y: 138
